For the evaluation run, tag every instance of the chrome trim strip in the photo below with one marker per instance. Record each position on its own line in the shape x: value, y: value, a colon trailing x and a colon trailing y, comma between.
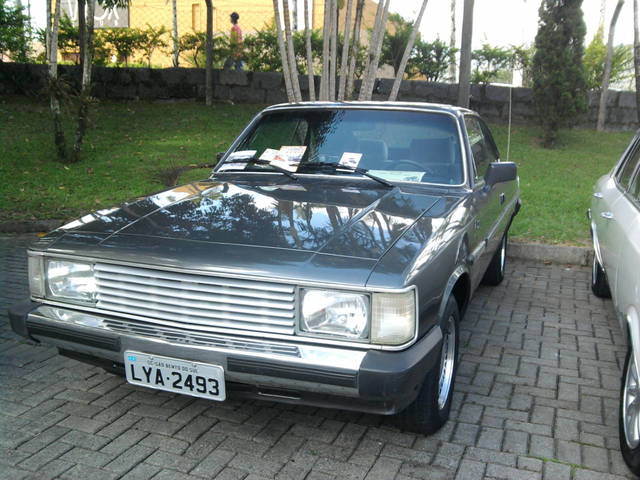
x: 317, y: 356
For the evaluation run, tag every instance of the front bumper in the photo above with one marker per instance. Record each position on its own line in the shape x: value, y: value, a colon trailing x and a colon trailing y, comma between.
x: 374, y: 381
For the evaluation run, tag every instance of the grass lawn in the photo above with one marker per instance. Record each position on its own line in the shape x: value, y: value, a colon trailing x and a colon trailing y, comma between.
x: 130, y: 142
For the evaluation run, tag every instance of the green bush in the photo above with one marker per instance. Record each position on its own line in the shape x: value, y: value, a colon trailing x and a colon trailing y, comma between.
x: 491, y: 64
x: 430, y: 60
x: 192, y: 49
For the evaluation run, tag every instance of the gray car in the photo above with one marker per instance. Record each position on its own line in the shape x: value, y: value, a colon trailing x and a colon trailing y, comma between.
x: 615, y: 229
x: 327, y: 261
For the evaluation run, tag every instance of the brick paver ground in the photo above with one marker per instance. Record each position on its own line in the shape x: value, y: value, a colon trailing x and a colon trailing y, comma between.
x: 536, y: 397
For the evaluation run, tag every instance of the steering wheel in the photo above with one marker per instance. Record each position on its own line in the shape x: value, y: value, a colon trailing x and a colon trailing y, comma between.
x: 420, y: 168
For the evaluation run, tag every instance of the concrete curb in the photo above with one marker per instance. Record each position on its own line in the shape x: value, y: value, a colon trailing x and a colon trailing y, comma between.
x: 550, y: 253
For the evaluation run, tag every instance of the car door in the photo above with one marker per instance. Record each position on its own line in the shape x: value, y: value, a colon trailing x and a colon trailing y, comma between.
x: 484, y: 200
x: 611, y: 210
x: 627, y: 210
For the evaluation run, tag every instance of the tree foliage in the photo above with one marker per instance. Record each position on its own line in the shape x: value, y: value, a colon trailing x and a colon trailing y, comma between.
x: 559, y: 86
x: 15, y: 32
x: 430, y: 60
x: 489, y: 62
x: 594, y: 60
x: 395, y: 41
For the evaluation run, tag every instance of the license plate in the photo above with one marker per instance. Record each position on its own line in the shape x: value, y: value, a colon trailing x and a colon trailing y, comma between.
x: 175, y: 375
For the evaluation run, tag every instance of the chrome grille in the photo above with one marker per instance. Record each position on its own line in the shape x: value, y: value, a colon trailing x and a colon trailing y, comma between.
x: 196, y: 301
x: 202, y: 339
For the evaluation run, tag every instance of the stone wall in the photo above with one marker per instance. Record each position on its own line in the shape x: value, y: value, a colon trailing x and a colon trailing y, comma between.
x: 268, y: 88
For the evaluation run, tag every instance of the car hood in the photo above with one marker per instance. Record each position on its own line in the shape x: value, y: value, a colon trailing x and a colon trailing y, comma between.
x: 254, y: 224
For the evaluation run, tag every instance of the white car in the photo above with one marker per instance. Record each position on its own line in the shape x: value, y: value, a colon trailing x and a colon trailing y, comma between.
x: 615, y: 229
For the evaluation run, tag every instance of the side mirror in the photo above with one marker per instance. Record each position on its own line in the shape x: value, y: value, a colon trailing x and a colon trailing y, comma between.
x: 499, y: 172
x: 219, y: 155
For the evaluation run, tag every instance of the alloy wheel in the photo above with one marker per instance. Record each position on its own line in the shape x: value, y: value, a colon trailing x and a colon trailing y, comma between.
x: 447, y: 362
x: 631, y: 406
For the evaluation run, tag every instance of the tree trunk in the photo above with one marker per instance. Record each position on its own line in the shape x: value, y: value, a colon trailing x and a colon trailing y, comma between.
x: 636, y: 55
x: 291, y: 53
x: 345, y: 51
x: 370, y: 48
x: 326, y: 36
x: 407, y: 53
x: 452, y: 43
x: 464, y: 86
x: 85, y: 89
x: 82, y: 27
x: 53, y: 25
x: 366, y: 91
x: 334, y: 49
x: 208, y: 88
x: 283, y: 54
x: 176, y: 40
x: 602, y: 110
x: 353, y: 56
x: 307, y: 35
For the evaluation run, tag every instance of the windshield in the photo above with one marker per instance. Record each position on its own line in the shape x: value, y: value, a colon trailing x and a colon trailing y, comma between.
x: 393, y: 145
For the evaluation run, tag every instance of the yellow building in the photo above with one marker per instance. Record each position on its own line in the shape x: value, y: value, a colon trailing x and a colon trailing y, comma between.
x: 254, y: 15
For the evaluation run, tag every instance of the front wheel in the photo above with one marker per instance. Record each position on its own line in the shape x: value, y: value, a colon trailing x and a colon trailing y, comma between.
x: 495, y: 271
x: 599, y: 283
x: 629, y: 421
x: 430, y: 410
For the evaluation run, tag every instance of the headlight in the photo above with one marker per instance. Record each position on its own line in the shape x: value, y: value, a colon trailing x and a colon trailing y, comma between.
x: 331, y: 312
x: 36, y: 275
x: 71, y: 280
x: 393, y: 318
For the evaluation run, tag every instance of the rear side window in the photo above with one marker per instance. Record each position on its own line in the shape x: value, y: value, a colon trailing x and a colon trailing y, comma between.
x: 634, y: 190
x: 628, y: 167
x: 482, y: 146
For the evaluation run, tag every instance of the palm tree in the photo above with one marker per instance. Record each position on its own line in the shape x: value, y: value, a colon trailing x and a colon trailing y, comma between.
x: 602, y: 110
x: 375, y: 47
x: 307, y: 35
x: 452, y: 42
x: 86, y: 50
x: 326, y: 32
x: 176, y: 39
x: 407, y: 52
x: 345, y: 51
x: 355, y: 45
x: 283, y: 53
x: 464, y: 86
x: 51, y: 35
x: 333, y: 30
x: 208, y: 88
x: 291, y: 54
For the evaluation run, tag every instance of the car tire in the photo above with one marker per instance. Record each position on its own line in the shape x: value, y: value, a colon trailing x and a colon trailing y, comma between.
x: 495, y: 271
x: 430, y: 410
x: 630, y: 414
x: 599, y: 283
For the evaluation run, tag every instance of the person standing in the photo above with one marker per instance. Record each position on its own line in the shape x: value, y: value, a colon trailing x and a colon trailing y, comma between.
x: 235, y: 44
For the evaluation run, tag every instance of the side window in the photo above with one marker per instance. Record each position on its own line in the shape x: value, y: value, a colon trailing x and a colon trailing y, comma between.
x: 634, y: 190
x: 626, y: 171
x: 482, y: 147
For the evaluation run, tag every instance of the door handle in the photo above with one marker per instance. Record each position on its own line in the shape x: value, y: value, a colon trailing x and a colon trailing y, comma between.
x: 597, y: 195
x: 502, y: 198
x: 607, y: 215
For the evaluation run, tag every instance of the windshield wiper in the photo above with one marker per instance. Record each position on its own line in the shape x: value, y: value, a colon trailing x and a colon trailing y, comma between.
x: 339, y: 166
x: 258, y: 161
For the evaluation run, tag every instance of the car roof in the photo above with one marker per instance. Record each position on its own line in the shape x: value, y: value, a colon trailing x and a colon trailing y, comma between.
x: 439, y: 107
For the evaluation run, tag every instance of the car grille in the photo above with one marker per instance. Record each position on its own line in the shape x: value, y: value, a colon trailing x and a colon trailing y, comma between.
x: 199, y: 302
